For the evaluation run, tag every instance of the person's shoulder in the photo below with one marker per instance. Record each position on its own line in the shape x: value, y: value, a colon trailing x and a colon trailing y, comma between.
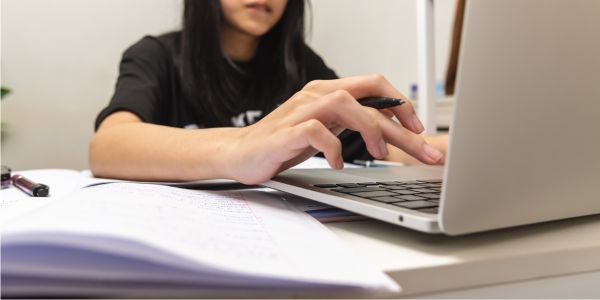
x: 315, y: 66
x: 170, y: 40
x: 154, y: 46
x: 309, y: 55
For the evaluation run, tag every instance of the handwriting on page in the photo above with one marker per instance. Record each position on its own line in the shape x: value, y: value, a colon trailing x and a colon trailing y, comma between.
x: 220, y: 223
x: 221, y: 236
x: 206, y: 225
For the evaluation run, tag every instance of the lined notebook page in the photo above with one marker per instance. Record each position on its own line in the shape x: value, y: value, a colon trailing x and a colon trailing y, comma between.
x: 236, y: 234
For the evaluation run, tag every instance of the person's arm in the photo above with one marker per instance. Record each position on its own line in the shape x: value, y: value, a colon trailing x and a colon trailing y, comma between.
x: 124, y: 147
x: 127, y: 148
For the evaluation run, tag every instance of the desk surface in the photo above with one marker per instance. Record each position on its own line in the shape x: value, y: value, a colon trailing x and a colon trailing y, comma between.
x: 425, y: 264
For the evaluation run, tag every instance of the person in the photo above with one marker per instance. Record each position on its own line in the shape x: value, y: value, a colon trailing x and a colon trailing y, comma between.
x: 237, y: 94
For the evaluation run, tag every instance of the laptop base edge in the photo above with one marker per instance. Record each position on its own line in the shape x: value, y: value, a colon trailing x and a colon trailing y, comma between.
x: 411, y: 219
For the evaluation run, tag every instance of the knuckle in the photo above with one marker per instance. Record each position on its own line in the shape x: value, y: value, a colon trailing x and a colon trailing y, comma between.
x: 337, y: 144
x: 342, y: 94
x: 373, y: 118
x: 373, y: 113
x: 338, y: 97
x: 331, y: 101
x: 312, y: 126
x: 415, y: 142
x: 313, y: 84
x: 302, y: 96
x: 377, y: 79
x: 334, y: 147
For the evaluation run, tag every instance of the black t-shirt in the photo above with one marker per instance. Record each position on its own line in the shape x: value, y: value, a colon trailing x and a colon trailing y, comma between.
x: 150, y: 86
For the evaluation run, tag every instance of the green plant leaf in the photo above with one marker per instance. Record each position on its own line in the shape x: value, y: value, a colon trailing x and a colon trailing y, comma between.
x: 5, y: 91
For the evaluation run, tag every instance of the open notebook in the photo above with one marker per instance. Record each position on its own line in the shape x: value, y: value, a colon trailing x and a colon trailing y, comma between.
x: 14, y: 203
x: 126, y: 239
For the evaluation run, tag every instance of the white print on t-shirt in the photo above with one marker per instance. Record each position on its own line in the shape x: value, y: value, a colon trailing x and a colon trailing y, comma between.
x: 251, y: 117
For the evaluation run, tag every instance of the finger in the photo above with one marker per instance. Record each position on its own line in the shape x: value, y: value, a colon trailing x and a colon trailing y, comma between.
x: 340, y: 108
x: 386, y: 112
x: 410, y: 142
x: 313, y: 133
x: 405, y: 113
x: 367, y: 86
x: 407, y: 116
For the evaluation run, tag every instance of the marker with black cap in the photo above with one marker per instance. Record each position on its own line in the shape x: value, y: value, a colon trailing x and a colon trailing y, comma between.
x: 5, y: 177
x: 31, y: 188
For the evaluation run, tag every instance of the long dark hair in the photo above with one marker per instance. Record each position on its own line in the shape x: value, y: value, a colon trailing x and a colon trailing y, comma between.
x: 213, y: 89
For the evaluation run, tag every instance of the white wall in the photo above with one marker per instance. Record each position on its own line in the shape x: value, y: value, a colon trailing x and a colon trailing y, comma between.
x: 377, y: 36
x: 60, y: 58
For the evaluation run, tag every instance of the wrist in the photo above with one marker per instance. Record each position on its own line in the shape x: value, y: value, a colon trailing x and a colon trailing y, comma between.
x: 212, y: 155
x: 228, y: 153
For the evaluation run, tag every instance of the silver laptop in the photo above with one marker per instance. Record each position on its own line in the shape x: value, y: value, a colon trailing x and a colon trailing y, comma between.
x: 525, y: 141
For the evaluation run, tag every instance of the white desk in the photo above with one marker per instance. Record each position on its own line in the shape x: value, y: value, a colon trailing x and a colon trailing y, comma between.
x: 557, y: 259
x: 552, y: 260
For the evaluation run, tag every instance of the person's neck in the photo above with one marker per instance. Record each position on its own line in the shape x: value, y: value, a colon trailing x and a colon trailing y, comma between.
x: 238, y: 46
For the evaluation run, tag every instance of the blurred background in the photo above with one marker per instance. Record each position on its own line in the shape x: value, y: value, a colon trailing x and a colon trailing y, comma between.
x: 60, y: 59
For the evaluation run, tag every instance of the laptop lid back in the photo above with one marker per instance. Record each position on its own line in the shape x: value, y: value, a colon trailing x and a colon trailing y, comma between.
x: 525, y: 142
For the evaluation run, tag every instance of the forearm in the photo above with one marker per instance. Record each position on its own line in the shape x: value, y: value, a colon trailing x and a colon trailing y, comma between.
x: 142, y: 151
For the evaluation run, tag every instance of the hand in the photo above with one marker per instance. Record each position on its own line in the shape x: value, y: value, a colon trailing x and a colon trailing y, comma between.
x: 310, y: 120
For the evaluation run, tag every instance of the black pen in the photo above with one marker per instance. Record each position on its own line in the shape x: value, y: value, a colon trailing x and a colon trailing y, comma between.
x: 31, y: 188
x: 380, y: 102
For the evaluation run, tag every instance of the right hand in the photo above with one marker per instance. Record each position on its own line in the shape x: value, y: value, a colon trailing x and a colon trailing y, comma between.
x: 310, y: 120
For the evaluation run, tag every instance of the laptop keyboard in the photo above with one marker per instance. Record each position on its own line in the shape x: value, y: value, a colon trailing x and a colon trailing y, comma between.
x: 420, y: 195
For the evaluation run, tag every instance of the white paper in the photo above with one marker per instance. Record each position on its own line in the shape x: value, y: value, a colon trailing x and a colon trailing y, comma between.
x: 316, y: 162
x: 243, y: 237
x: 15, y: 203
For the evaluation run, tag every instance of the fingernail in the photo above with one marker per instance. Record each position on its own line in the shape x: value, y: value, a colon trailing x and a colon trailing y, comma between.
x: 417, y: 124
x: 383, y: 149
x: 434, y: 154
x: 340, y: 163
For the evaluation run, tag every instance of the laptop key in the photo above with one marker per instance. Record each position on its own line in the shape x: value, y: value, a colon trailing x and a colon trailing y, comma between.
x: 395, y: 187
x: 424, y: 190
x: 350, y: 185
x: 409, y: 182
x: 388, y: 182
x: 325, y: 185
x: 415, y: 204
x: 386, y: 199
x: 413, y: 186
x: 431, y: 180
x: 374, y: 194
x: 368, y: 183
x: 410, y: 197
x: 405, y: 192
x: 429, y: 210
x: 429, y: 196
x: 358, y: 189
x: 431, y: 185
